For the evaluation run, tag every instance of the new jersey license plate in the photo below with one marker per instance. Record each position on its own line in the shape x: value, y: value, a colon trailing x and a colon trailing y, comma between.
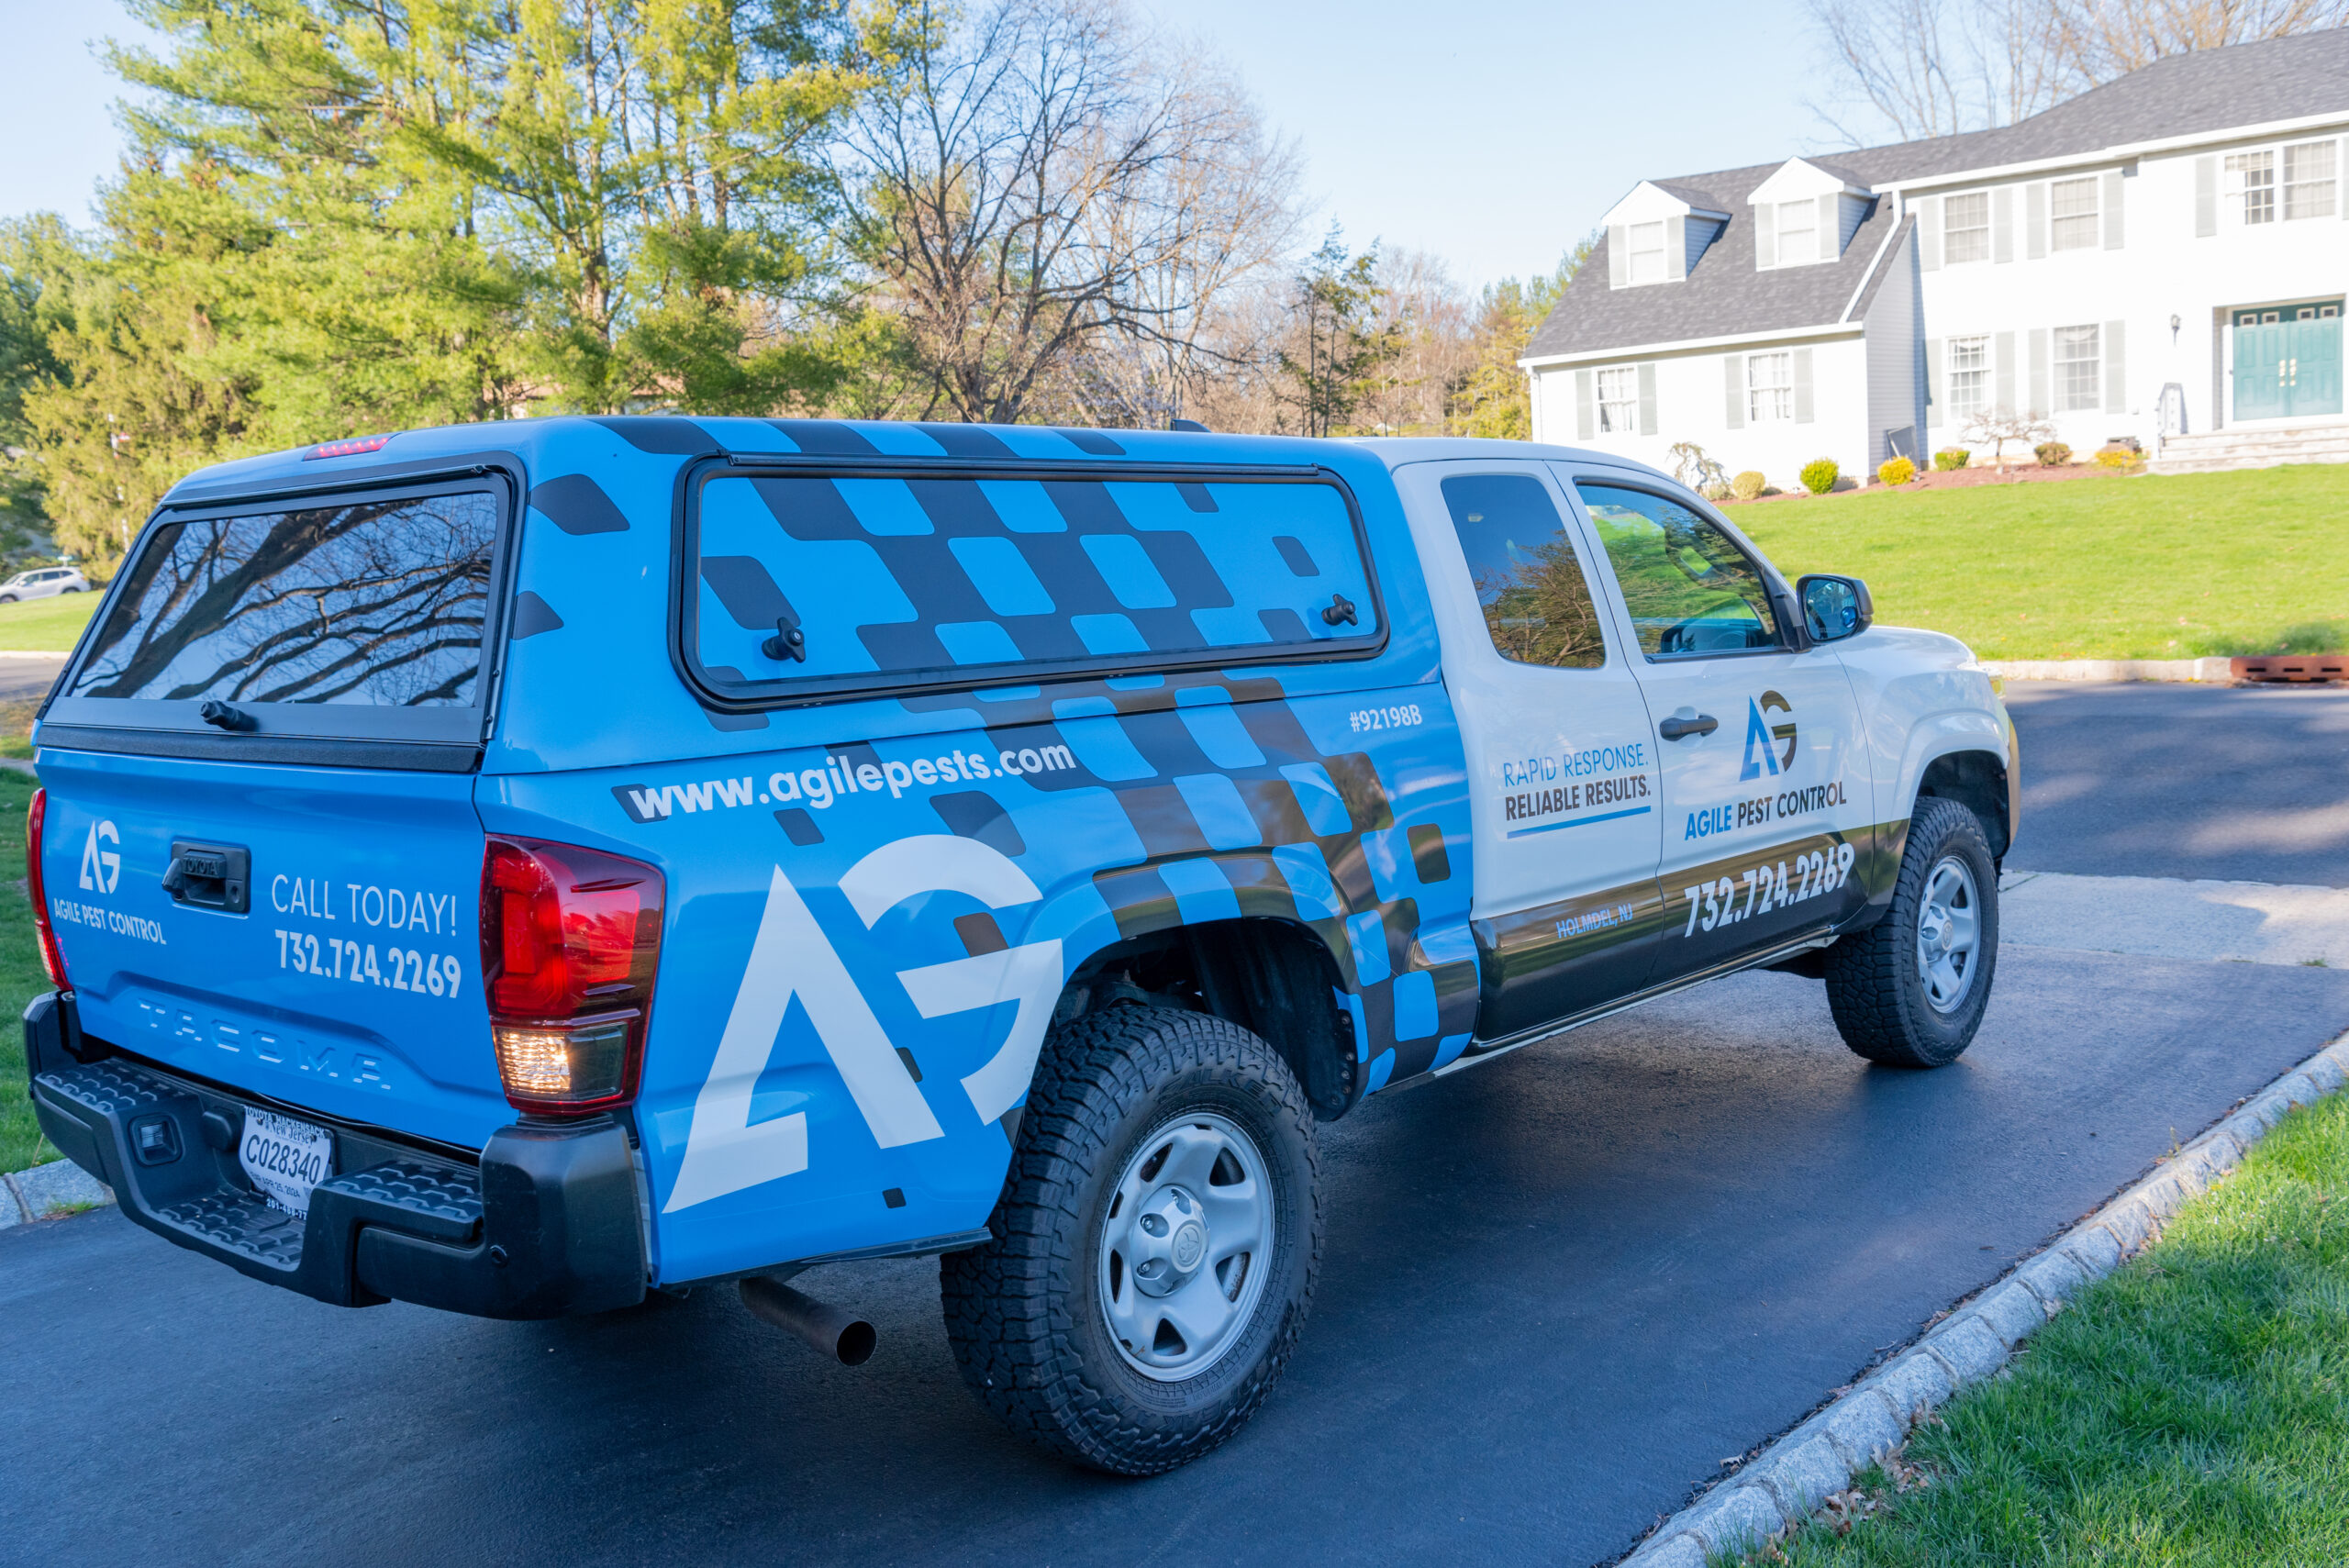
x: 285, y: 1158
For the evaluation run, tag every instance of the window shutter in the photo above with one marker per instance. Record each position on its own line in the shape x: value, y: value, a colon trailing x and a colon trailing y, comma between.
x: 1932, y: 382
x: 2004, y: 347
x: 2039, y: 402
x: 1734, y: 384
x: 2002, y: 224
x: 1619, y: 256
x: 1586, y: 417
x: 1802, y: 386
x: 1929, y: 234
x: 2206, y: 197
x: 2112, y: 209
x: 1830, y: 228
x: 2116, y: 377
x: 1675, y: 247
x: 1766, y: 234
x: 2034, y: 204
x: 2341, y: 178
x: 1647, y: 400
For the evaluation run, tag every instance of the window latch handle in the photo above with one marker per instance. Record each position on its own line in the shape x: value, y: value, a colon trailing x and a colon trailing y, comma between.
x: 1338, y: 608
x: 227, y: 718
x: 788, y: 642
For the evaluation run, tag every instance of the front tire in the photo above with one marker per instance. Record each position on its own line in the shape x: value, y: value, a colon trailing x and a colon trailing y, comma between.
x: 1910, y: 991
x: 1155, y: 1246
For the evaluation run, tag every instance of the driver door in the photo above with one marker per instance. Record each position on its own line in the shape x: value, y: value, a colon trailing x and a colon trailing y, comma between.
x: 1767, y: 801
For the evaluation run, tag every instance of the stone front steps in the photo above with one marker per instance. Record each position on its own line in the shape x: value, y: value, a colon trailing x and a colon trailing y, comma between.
x: 2218, y: 450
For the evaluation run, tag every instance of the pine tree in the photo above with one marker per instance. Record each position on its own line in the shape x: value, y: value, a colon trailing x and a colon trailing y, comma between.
x: 1494, y: 400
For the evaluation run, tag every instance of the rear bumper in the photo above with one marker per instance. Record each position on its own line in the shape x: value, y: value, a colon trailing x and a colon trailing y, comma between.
x: 545, y: 1224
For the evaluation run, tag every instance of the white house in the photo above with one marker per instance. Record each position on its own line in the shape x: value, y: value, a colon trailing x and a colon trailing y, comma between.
x: 2162, y: 258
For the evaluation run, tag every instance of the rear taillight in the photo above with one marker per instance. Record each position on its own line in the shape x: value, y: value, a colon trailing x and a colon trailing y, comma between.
x: 50, y: 958
x: 569, y: 939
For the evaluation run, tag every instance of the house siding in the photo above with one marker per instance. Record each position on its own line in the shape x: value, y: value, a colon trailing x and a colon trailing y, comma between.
x: 2169, y: 247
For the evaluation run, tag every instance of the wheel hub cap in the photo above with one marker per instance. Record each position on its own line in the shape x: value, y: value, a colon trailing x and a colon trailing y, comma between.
x: 1169, y: 1238
x: 1180, y: 1269
x: 1949, y: 931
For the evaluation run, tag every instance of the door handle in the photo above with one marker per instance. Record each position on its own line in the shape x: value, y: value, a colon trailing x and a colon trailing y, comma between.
x: 1680, y: 728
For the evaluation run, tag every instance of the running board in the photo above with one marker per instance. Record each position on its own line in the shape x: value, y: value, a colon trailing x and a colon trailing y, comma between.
x: 1485, y: 1051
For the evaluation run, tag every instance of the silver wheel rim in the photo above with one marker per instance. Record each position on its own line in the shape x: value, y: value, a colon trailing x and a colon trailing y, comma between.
x: 1186, y: 1246
x: 1949, y: 934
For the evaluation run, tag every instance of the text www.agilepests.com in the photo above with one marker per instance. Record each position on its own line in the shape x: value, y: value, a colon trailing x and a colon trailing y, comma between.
x: 820, y: 787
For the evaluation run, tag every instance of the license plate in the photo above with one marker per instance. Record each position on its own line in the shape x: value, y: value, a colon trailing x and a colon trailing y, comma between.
x: 285, y: 1158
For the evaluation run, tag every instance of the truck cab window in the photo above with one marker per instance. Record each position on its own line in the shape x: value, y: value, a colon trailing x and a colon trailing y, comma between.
x: 1536, y: 599
x: 1690, y: 590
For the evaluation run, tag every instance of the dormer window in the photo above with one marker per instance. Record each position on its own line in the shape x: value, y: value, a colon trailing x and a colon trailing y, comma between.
x: 1798, y: 233
x: 1647, y: 252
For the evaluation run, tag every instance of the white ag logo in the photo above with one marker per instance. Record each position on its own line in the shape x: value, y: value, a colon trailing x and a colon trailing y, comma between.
x: 791, y: 956
x: 101, y: 869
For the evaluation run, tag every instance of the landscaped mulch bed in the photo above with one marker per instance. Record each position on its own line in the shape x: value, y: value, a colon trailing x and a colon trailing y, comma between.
x: 1960, y: 479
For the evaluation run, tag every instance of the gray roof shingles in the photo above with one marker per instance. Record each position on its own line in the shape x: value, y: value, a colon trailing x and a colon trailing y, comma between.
x: 1724, y: 295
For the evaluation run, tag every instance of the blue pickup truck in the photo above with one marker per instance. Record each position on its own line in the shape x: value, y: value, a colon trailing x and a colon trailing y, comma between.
x: 520, y: 867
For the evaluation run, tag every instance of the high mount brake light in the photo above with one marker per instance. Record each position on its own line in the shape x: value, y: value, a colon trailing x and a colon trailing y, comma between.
x: 569, y: 939
x: 356, y: 447
x: 51, y: 958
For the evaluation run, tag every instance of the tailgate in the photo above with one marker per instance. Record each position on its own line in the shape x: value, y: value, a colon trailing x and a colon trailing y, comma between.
x: 261, y: 854
x: 349, y: 981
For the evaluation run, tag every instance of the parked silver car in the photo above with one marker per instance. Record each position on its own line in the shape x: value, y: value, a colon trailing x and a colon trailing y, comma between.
x: 40, y: 584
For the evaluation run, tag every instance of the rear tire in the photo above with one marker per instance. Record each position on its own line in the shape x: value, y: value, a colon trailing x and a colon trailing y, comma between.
x: 1910, y: 991
x: 1092, y: 1326
x: 8, y: 598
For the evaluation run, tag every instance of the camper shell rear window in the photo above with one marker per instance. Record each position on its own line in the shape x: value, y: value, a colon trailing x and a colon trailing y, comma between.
x: 359, y: 615
x: 811, y: 583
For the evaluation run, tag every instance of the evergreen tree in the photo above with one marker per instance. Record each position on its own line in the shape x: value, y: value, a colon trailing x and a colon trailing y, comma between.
x: 1494, y: 400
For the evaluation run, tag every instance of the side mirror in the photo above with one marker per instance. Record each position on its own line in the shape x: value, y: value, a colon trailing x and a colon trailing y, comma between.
x: 1834, y: 607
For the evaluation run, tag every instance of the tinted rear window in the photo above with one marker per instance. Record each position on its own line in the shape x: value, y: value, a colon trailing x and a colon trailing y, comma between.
x: 890, y: 579
x: 378, y: 603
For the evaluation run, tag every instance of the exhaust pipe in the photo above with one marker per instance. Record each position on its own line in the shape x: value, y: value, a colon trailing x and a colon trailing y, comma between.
x: 836, y: 1333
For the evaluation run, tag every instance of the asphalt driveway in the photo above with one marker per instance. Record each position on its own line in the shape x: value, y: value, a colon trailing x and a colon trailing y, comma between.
x: 1560, y: 1289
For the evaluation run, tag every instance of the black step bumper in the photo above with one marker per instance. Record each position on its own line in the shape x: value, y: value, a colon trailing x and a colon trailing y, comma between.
x: 545, y: 1224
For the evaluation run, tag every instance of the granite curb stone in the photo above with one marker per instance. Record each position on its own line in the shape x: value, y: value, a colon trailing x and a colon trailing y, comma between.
x: 2011, y: 1311
x: 1970, y: 1348
x: 2054, y: 1278
x: 1793, y: 1475
x: 42, y: 1190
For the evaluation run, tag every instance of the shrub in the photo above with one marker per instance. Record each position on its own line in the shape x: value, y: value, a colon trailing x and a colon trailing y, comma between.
x: 1746, y: 486
x: 2118, y: 456
x: 1897, y: 470
x: 1720, y: 492
x: 1950, y: 458
x: 1819, y: 474
x: 2052, y: 454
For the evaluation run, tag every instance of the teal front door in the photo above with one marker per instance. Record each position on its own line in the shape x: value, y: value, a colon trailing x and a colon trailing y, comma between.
x: 2287, y: 362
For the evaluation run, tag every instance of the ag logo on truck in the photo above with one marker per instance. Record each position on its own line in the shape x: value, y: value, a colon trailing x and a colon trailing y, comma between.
x: 101, y: 869
x: 1757, y: 733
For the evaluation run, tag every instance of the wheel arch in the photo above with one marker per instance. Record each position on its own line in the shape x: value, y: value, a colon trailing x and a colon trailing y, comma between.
x: 1964, y: 756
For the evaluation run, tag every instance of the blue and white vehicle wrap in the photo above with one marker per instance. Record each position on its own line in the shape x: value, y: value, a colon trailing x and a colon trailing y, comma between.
x: 1050, y: 692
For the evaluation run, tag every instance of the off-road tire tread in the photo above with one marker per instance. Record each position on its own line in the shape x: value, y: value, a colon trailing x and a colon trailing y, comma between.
x: 1865, y: 971
x: 1010, y: 1339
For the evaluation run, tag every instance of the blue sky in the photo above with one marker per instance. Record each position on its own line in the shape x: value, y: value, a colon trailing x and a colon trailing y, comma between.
x: 1492, y: 136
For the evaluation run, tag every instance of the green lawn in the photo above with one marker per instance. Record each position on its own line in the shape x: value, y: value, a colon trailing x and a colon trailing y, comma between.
x: 46, y: 626
x: 2146, y: 568
x: 2191, y: 1408
x: 21, y: 979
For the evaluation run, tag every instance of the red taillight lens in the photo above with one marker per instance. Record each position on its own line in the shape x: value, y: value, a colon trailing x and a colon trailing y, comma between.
x: 569, y: 939
x: 50, y: 958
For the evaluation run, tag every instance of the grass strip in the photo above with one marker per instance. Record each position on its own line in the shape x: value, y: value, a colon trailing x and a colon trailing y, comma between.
x: 21, y: 979
x: 2191, y: 1408
x: 2178, y: 566
x: 46, y: 626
